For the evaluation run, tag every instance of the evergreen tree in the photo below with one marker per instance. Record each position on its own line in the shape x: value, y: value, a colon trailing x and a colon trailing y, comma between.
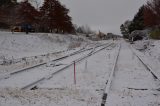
x: 27, y: 16
x: 55, y: 17
x: 124, y: 32
x: 65, y: 22
x: 80, y: 30
x: 7, y: 10
x: 5, y: 2
x: 47, y: 15
x: 27, y: 13
x: 138, y: 21
x: 125, y: 29
x: 60, y: 17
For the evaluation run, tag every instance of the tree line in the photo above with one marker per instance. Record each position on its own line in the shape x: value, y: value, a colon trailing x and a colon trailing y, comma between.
x: 147, y: 17
x: 52, y: 16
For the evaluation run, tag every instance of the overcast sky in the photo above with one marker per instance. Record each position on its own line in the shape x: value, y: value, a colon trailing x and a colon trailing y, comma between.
x: 105, y: 15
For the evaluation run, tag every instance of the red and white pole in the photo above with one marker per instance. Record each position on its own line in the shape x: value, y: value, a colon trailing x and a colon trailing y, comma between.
x: 74, y: 72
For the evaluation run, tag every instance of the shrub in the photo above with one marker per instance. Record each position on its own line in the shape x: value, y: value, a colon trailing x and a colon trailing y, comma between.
x: 155, y: 34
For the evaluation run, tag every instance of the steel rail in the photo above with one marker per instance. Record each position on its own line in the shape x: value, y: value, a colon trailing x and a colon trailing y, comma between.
x: 110, y: 79
x: 7, y: 75
x: 34, y: 84
x: 155, y: 75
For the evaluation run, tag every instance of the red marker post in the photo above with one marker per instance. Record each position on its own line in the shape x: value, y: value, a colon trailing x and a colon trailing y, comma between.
x: 74, y: 72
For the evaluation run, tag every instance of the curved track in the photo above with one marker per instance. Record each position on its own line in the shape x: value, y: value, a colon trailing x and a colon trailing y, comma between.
x: 8, y: 74
x: 30, y: 77
x: 94, y: 51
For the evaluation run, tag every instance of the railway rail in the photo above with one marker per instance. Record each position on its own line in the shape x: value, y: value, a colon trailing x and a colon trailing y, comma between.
x: 17, y: 80
x: 7, y: 75
x: 154, y: 73
x: 35, y: 83
x: 111, y: 77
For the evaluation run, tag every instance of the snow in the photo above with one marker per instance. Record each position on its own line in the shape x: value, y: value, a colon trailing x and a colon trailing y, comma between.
x: 149, y: 52
x: 38, y: 73
x: 60, y: 90
x: 151, y: 48
x: 132, y: 84
x: 79, y: 95
x: 18, y: 50
x: 129, y: 76
x: 20, y: 45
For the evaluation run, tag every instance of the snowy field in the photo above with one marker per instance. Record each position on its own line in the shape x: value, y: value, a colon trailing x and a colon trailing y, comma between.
x: 19, y: 50
x: 19, y: 45
x: 61, y: 90
x: 87, y: 90
x: 151, y: 48
x: 132, y: 84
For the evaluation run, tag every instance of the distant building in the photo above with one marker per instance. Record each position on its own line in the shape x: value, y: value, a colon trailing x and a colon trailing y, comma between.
x: 101, y: 35
x: 112, y: 36
x: 23, y: 28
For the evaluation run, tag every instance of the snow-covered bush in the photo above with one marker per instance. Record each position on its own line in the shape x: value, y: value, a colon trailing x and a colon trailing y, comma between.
x: 139, y: 35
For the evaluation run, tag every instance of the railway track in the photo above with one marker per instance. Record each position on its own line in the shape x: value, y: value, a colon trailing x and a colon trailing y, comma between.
x: 18, y: 60
x: 7, y: 75
x: 110, y: 79
x: 35, y: 83
x: 154, y: 73
x: 21, y: 81
x: 114, y: 87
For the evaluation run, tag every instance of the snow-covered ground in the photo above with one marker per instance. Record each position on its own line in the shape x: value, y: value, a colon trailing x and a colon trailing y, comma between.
x: 132, y: 84
x: 151, y: 48
x: 83, y: 93
x: 19, y: 50
x: 60, y: 90
x: 149, y: 51
x: 20, y: 45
